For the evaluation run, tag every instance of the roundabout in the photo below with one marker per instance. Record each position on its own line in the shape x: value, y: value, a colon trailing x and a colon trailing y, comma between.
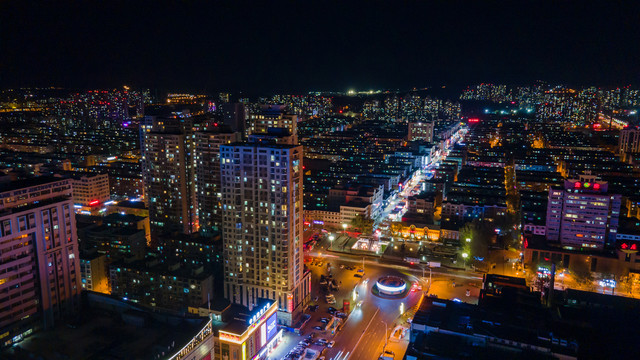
x: 390, y: 287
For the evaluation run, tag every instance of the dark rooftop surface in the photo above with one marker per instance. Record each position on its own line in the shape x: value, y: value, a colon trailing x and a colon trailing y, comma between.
x: 24, y: 183
x: 131, y: 204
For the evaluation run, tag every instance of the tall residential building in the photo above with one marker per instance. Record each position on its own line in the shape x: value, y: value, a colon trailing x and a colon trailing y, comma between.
x: 262, y: 226
x: 273, y: 116
x: 420, y: 131
x: 168, y: 173
x: 234, y: 115
x: 207, y: 164
x: 583, y: 215
x: 630, y: 140
x: 39, y: 262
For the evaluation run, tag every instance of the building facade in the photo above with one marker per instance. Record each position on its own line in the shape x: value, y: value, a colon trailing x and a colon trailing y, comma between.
x: 168, y: 174
x: 420, y: 131
x: 273, y: 116
x: 207, y: 165
x: 39, y: 260
x: 263, y: 225
x: 629, y: 140
x: 90, y: 190
x: 583, y: 215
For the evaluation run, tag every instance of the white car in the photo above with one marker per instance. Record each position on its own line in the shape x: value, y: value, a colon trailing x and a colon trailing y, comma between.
x: 331, y: 343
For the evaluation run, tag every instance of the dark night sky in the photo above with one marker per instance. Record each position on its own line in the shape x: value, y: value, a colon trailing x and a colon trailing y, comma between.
x: 297, y: 46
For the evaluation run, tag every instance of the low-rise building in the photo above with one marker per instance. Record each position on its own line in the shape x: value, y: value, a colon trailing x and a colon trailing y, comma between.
x: 90, y: 191
x: 323, y: 217
x: 161, y: 285
x: 354, y: 208
x: 94, y: 272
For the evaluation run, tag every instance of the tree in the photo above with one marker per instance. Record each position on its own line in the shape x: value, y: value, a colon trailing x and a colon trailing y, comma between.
x: 480, y: 235
x: 362, y: 223
x: 397, y: 227
x: 582, y: 274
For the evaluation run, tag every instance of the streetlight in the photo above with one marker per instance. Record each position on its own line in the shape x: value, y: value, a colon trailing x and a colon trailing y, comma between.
x: 344, y: 227
x: 331, y: 238
x: 464, y: 256
x: 386, y: 338
x: 468, y: 239
x: 428, y: 267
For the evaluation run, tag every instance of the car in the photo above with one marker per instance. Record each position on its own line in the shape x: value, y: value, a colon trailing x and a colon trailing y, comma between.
x: 332, y: 309
x: 341, y: 315
x: 359, y: 303
x: 321, y: 358
x: 311, y: 336
x: 331, y: 343
x: 324, y: 320
x: 317, y: 328
x: 323, y: 341
x: 366, y: 281
x: 360, y: 270
x: 357, y: 275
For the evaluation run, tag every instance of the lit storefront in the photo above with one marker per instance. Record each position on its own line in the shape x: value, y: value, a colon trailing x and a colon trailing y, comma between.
x: 253, y: 338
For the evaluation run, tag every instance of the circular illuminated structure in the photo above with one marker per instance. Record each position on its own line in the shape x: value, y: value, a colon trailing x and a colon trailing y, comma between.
x: 391, y: 285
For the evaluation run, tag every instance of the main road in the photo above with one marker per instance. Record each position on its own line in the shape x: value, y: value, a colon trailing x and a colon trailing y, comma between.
x: 365, y: 330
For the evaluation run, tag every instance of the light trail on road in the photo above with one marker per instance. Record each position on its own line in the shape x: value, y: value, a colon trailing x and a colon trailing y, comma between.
x: 348, y: 258
x: 364, y: 332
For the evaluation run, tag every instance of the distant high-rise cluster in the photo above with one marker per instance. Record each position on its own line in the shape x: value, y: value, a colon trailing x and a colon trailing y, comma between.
x: 305, y: 105
x: 410, y: 107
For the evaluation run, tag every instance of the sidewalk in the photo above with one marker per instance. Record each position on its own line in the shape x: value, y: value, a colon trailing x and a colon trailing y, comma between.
x: 399, y: 341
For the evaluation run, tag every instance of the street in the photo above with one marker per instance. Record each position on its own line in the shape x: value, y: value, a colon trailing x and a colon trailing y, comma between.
x: 363, y: 333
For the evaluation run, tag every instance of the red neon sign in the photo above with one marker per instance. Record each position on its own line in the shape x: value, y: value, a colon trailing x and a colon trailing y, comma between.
x: 596, y: 186
x: 94, y: 202
x: 577, y: 185
x: 474, y: 120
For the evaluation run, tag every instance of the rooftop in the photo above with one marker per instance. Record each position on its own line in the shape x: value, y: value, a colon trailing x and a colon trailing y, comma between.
x: 28, y: 182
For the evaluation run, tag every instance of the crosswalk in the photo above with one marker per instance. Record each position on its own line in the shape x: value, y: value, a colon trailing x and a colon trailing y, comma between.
x: 341, y: 355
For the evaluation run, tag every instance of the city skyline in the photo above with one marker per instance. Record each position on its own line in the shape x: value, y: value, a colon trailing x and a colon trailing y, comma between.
x: 343, y: 180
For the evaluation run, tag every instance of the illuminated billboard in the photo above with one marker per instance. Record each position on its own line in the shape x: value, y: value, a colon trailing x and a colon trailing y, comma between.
x: 272, y: 326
